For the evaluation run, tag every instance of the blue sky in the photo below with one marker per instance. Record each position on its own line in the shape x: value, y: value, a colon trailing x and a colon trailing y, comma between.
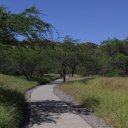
x: 85, y: 20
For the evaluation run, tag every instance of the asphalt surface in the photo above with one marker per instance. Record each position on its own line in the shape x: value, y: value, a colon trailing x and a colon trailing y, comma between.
x: 48, y: 111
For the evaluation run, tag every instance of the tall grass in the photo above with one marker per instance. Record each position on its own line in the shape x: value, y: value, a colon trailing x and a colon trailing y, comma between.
x: 106, y: 97
x: 11, y: 106
x: 12, y: 99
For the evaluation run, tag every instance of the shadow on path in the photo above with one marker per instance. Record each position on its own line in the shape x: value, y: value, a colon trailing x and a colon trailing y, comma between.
x: 48, y: 111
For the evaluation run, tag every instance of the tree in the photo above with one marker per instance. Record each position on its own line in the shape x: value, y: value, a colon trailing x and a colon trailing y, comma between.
x: 71, y: 53
x: 27, y: 24
x: 121, y: 63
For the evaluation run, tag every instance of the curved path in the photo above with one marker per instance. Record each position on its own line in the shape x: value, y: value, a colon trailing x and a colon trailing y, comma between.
x: 48, y: 111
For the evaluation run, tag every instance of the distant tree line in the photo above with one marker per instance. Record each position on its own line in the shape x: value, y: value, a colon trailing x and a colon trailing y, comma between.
x: 37, y: 55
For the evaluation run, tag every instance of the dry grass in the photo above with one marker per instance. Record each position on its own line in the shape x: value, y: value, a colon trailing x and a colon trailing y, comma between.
x: 113, y: 83
x: 106, y: 97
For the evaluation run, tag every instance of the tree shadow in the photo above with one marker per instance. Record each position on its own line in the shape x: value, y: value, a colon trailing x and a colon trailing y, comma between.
x: 48, y: 111
x: 10, y: 97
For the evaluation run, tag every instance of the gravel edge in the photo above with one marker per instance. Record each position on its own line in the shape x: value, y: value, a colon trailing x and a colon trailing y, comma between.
x: 91, y: 119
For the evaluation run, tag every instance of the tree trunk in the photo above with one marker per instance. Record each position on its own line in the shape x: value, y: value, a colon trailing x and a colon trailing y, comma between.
x: 73, y: 70
x: 64, y: 71
x: 126, y: 71
x: 64, y: 78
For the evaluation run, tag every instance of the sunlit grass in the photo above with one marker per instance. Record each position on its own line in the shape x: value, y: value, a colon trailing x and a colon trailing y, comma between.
x: 17, y: 83
x: 106, y: 97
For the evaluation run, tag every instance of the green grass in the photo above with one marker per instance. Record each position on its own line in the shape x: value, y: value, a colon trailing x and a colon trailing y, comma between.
x: 16, y: 83
x: 106, y: 97
x: 12, y: 99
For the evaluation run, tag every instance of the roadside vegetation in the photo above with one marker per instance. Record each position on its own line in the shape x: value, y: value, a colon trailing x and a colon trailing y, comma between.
x: 12, y: 101
x: 107, y: 97
x: 25, y: 64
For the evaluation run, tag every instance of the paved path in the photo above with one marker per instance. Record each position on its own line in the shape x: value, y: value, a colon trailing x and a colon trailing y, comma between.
x: 48, y: 111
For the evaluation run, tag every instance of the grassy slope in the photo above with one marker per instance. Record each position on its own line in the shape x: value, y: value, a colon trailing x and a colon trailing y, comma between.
x: 12, y: 99
x: 17, y: 83
x: 106, y: 97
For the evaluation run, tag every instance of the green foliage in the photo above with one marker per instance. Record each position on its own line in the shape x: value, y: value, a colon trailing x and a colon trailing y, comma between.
x: 36, y: 55
x: 113, y: 57
x: 45, y: 56
x: 27, y: 24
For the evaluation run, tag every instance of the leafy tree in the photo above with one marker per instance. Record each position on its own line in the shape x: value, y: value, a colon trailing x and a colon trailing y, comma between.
x: 121, y: 63
x: 27, y: 24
